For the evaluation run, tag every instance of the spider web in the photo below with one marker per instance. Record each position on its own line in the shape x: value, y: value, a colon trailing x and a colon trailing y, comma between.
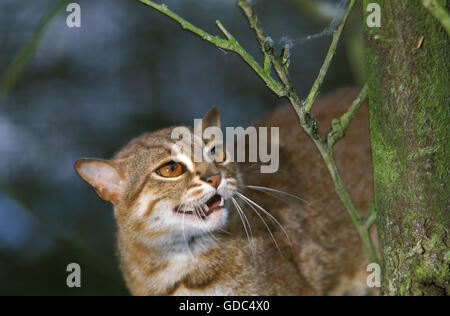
x: 339, y: 9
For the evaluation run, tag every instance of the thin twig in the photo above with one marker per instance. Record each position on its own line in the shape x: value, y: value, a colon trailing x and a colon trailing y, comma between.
x: 229, y: 44
x: 331, y: 52
x: 265, y: 44
x: 439, y: 13
x: 16, y: 67
x: 371, y: 217
x: 339, y: 126
x: 307, y: 122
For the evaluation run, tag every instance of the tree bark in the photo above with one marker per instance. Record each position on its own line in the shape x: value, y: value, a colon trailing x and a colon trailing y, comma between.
x: 408, y: 66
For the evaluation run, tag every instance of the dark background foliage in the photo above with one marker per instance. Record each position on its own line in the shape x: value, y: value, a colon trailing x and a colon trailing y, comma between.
x: 89, y: 90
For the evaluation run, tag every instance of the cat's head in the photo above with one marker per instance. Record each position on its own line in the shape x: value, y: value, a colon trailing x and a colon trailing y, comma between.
x: 159, y: 196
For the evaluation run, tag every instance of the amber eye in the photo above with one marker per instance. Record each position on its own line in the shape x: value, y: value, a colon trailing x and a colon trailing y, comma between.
x: 170, y: 170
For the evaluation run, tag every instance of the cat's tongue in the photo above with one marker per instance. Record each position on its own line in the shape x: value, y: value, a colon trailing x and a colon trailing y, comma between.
x: 214, y: 202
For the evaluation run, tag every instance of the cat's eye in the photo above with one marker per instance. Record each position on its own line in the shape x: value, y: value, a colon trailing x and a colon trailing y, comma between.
x: 218, y: 154
x: 170, y: 170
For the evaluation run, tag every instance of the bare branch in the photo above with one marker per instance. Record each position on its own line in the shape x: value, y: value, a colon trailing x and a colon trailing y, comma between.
x: 331, y: 52
x: 229, y: 44
x: 265, y: 44
x: 339, y: 126
x: 20, y: 61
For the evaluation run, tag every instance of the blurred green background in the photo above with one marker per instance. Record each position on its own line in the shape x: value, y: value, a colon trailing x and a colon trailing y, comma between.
x: 85, y: 92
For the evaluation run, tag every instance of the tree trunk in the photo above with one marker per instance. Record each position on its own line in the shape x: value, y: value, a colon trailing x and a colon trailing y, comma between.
x: 408, y: 65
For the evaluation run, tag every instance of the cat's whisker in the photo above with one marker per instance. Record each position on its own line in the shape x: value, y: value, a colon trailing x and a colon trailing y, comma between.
x: 213, y: 238
x: 202, y: 209
x: 276, y: 197
x: 184, y: 234
x: 179, y: 207
x: 210, y: 234
x: 197, y: 212
x: 246, y: 219
x: 239, y: 210
x: 264, y: 222
x: 267, y: 213
x: 225, y: 232
x: 263, y: 189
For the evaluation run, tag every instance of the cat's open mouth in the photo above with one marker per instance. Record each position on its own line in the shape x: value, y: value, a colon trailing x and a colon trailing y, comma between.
x: 203, y: 210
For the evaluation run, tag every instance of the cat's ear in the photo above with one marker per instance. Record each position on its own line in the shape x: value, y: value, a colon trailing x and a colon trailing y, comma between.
x: 104, y: 177
x: 211, y: 118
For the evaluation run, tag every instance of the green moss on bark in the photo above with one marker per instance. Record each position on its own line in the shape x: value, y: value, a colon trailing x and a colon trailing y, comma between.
x: 409, y: 114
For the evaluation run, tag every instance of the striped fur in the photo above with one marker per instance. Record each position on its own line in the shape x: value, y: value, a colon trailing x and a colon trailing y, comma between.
x: 165, y: 252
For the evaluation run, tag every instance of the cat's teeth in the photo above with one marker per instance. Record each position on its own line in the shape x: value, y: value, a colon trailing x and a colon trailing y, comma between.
x: 222, y: 202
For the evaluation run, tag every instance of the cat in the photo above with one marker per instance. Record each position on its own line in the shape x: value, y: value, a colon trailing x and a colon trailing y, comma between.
x: 224, y: 228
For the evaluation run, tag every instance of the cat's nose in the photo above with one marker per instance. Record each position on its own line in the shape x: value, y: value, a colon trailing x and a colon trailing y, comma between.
x: 213, y: 180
